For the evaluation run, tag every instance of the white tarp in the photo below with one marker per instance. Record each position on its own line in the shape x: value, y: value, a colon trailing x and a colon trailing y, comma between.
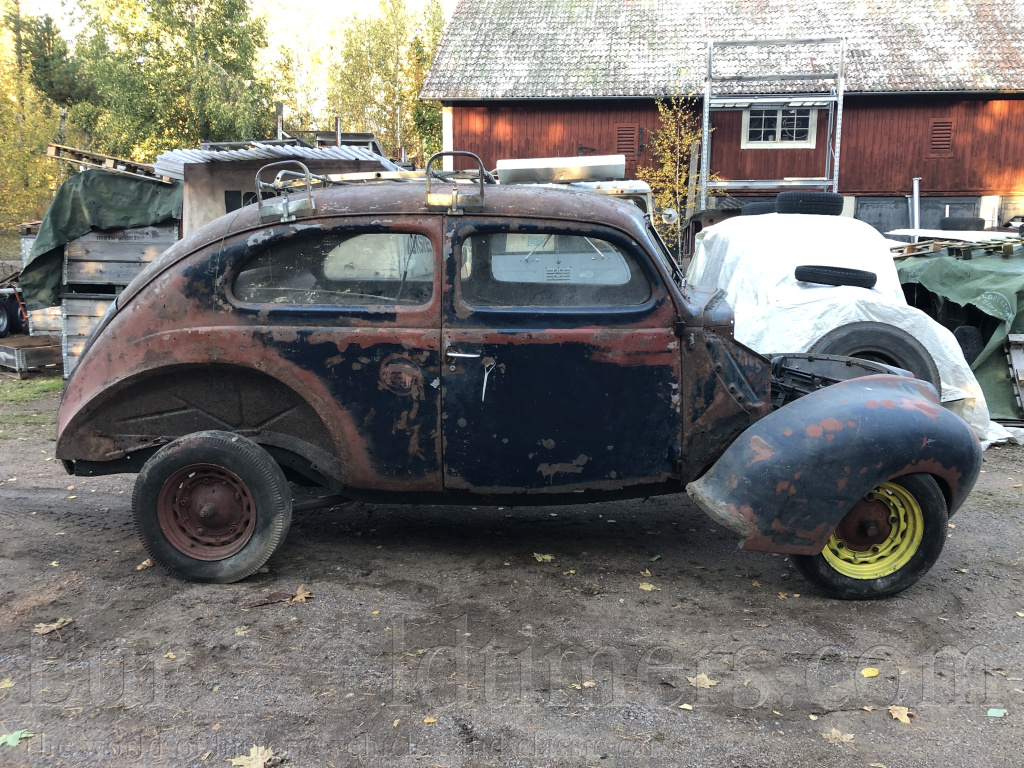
x: 753, y: 259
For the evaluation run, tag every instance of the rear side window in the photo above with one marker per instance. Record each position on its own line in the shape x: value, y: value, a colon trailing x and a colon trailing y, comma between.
x: 346, y: 269
x: 549, y: 270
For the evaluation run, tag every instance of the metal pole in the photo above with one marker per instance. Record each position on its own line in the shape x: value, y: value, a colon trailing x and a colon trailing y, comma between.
x: 705, y: 135
x: 917, y: 204
x: 337, y: 131
x: 839, y: 111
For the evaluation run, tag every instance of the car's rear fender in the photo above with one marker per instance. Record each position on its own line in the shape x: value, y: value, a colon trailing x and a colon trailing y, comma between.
x: 787, y: 481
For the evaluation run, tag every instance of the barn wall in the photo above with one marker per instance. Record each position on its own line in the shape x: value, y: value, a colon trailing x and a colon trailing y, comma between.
x: 886, y: 141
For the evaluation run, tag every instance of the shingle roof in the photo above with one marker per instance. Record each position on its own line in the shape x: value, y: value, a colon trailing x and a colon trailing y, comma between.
x: 507, y: 49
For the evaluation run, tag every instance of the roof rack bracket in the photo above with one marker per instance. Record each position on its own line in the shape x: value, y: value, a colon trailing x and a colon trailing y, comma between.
x: 283, y: 205
x: 453, y: 199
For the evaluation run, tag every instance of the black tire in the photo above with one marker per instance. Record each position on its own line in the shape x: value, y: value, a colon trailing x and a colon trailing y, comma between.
x: 961, y: 224
x: 5, y: 320
x: 859, y: 278
x: 971, y: 342
x: 822, y: 203
x: 912, y: 562
x: 755, y: 209
x: 232, y: 477
x: 882, y: 343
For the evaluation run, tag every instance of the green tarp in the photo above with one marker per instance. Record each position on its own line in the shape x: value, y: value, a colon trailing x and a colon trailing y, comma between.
x: 993, y: 284
x: 91, y: 200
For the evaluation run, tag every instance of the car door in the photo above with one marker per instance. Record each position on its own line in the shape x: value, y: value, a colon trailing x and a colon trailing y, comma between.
x: 355, y: 303
x: 560, y: 367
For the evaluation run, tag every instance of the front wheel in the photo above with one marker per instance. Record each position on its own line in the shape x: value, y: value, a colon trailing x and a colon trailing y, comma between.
x: 884, y: 544
x: 212, y: 507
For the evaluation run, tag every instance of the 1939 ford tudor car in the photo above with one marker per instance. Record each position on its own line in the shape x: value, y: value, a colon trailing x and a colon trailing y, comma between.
x: 459, y: 342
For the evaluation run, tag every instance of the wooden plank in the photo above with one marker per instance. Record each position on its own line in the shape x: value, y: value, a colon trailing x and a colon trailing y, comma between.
x: 153, y: 234
x: 86, y: 307
x: 114, y: 250
x: 73, y: 345
x: 44, y: 321
x: 80, y: 326
x: 102, y: 272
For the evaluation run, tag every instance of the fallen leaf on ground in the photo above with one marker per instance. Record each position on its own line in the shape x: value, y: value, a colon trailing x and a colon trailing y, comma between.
x: 755, y: 583
x: 242, y: 631
x: 45, y: 629
x: 429, y: 720
x: 701, y: 681
x: 649, y: 587
x: 55, y: 563
x: 686, y: 706
x: 147, y: 563
x: 13, y: 739
x: 654, y: 559
x: 170, y: 655
x: 645, y: 572
x: 869, y: 672
x: 273, y: 597
x: 302, y: 594
x: 813, y: 717
x: 996, y: 713
x: 835, y: 736
x: 783, y: 595
x: 6, y: 683
x: 1021, y: 614
x: 258, y: 757
x: 876, y: 765
x: 543, y: 558
x: 577, y: 686
x: 395, y: 724
x: 590, y: 684
x: 868, y: 708
x: 900, y: 713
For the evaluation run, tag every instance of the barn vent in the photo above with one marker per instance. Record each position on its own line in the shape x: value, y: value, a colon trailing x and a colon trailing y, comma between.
x: 627, y: 138
x: 941, y: 139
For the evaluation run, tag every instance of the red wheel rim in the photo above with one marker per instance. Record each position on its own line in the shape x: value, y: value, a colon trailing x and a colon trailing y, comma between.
x: 206, y: 512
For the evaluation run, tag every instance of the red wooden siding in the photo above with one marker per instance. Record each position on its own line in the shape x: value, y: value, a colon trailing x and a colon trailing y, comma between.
x: 531, y: 129
x: 958, y: 146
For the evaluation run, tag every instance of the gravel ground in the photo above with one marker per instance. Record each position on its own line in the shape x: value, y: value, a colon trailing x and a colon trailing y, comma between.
x: 435, y: 637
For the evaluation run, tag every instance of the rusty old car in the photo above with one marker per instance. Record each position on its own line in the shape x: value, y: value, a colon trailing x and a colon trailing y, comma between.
x: 457, y: 342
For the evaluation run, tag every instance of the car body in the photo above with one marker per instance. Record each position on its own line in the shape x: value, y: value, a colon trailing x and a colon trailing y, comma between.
x: 516, y: 345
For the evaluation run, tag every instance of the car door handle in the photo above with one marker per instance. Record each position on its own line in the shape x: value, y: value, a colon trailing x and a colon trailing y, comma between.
x: 462, y: 355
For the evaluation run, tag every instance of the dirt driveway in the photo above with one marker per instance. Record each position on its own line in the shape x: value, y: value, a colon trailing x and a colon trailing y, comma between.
x: 619, y: 634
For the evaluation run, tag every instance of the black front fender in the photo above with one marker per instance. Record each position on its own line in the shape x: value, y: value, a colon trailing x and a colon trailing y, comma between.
x: 787, y: 481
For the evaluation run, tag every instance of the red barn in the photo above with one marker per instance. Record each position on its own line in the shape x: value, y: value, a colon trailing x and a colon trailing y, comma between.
x: 933, y: 89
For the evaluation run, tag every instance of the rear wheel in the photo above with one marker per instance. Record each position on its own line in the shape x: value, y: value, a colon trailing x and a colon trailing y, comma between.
x: 212, y: 507
x: 884, y: 544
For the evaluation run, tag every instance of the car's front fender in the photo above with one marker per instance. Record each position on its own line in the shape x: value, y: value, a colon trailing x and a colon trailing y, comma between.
x: 787, y: 481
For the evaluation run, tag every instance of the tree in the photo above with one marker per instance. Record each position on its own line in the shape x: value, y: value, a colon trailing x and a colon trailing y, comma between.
x: 170, y: 73
x: 378, y: 73
x: 28, y: 124
x: 671, y: 146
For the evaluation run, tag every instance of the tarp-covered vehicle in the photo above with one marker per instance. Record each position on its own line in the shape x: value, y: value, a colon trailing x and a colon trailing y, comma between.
x: 461, y: 342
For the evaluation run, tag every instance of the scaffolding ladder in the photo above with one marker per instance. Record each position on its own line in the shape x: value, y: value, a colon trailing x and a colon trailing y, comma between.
x: 832, y: 98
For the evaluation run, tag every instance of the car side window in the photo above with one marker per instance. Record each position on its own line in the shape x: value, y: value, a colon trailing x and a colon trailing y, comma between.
x: 549, y: 270
x: 341, y: 269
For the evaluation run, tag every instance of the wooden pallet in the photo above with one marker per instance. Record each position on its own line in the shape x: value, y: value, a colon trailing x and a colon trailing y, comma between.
x: 105, y: 162
x: 21, y: 354
x: 957, y: 248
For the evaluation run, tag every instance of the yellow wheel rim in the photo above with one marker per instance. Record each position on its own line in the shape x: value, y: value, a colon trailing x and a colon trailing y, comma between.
x: 890, y: 552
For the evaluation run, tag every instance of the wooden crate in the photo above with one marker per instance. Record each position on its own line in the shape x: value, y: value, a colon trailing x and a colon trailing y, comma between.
x: 44, y: 322
x: 24, y: 353
x: 115, y: 257
x: 80, y: 314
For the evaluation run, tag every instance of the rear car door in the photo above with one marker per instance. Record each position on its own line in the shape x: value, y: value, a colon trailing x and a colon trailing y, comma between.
x: 560, y: 367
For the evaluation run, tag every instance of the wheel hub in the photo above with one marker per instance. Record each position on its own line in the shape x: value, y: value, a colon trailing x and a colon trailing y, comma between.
x: 878, y: 536
x: 206, y: 512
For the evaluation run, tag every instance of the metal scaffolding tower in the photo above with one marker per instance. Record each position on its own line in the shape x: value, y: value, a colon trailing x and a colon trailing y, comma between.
x: 831, y: 97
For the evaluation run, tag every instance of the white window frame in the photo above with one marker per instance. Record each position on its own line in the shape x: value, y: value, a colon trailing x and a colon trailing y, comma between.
x: 812, y: 132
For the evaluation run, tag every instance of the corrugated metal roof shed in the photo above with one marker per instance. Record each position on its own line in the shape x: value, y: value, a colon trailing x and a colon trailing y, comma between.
x: 509, y: 49
x: 173, y: 163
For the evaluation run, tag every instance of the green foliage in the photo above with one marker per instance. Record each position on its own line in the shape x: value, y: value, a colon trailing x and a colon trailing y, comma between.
x: 28, y: 124
x: 671, y: 146
x: 25, y: 391
x: 170, y: 73
x: 379, y: 70
x: 54, y: 72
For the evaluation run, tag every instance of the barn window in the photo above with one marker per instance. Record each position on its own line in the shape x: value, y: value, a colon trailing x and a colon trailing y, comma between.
x: 627, y: 139
x: 779, y: 128
x: 940, y: 138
